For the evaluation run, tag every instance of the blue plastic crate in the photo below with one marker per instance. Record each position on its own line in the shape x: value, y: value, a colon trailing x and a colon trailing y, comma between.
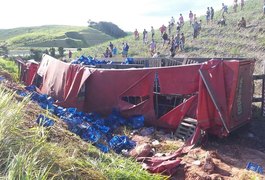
x: 254, y: 167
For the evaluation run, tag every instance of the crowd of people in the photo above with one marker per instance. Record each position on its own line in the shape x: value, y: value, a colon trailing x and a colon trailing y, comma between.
x: 173, y: 37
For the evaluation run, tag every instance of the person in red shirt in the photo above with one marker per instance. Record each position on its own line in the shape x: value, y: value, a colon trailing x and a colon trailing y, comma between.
x: 162, y: 29
x: 136, y: 34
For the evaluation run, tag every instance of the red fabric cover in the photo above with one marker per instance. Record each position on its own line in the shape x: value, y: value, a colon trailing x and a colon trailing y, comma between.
x: 168, y: 164
x: 31, y: 72
x: 211, y: 73
x: 175, y: 116
x: 63, y: 81
x: 107, y: 87
x: 179, y: 80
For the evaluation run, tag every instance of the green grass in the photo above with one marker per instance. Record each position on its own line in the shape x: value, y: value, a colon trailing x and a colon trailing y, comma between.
x: 9, y: 66
x: 47, y: 153
x: 53, y: 36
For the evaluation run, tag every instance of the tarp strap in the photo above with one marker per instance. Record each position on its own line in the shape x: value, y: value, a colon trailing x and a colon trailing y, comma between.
x: 214, y: 99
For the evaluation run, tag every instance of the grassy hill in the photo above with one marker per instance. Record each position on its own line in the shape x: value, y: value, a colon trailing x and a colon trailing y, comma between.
x: 53, y: 36
x: 213, y: 41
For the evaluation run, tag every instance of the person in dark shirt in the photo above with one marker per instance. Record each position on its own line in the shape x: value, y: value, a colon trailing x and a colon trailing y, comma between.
x: 212, y: 13
x: 111, y: 46
x: 108, y: 53
x: 70, y: 54
x: 125, y: 49
x: 196, y: 28
x: 165, y: 38
x: 208, y: 15
x: 145, y: 38
x: 182, y: 42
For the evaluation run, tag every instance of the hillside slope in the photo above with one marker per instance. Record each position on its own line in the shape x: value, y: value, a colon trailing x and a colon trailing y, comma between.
x: 213, y: 41
x: 53, y: 36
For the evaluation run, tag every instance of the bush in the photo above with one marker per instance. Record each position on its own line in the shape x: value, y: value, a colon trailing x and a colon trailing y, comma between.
x: 61, y: 51
x: 109, y: 28
x: 36, y: 54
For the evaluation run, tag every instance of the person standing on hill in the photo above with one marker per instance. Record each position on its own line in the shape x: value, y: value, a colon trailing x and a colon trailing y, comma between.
x: 162, y: 29
x: 108, y: 53
x: 172, y: 48
x: 145, y: 36
x: 194, y: 18
x: 182, y: 42
x: 177, y: 41
x: 111, y: 46
x: 242, y: 4
x: 165, y: 38
x: 191, y: 17
x: 200, y: 26
x: 70, y: 54
x: 224, y: 9
x: 212, y: 13
x: 152, y: 46
x: 181, y: 20
x: 178, y: 27
x: 172, y: 21
x: 169, y: 29
x: 208, y: 15
x: 235, y: 6
x: 115, y: 51
x: 264, y: 9
x: 195, y: 29
x: 152, y: 32
x: 136, y: 34
x: 125, y: 49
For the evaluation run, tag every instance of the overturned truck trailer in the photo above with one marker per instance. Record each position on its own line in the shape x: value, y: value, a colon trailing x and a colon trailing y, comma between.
x: 214, y: 95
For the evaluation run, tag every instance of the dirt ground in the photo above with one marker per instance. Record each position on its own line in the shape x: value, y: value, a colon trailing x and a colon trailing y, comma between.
x: 225, y: 158
x: 229, y: 155
x: 216, y: 159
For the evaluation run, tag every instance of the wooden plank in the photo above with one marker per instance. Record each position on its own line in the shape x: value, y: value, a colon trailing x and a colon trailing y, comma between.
x: 190, y: 120
x: 186, y: 124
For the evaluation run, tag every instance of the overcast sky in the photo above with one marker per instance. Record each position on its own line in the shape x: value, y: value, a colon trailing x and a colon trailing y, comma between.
x: 127, y: 14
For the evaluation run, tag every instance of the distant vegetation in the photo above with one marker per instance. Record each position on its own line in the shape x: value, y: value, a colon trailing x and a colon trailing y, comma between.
x: 108, y: 28
x: 53, y: 36
x: 3, y: 49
